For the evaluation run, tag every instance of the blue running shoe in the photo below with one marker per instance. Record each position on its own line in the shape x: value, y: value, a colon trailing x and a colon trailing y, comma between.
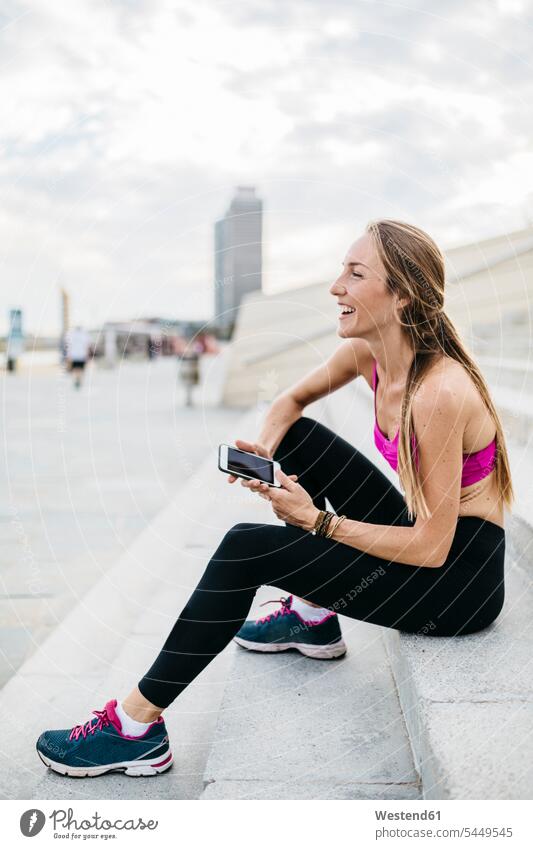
x: 285, y: 629
x: 99, y: 746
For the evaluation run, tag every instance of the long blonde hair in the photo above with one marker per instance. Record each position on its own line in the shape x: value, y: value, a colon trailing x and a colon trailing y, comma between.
x: 415, y: 269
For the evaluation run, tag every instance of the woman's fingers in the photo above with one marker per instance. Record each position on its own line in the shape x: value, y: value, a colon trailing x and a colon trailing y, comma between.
x: 253, y: 448
x: 245, y: 446
x: 255, y: 486
x: 244, y: 482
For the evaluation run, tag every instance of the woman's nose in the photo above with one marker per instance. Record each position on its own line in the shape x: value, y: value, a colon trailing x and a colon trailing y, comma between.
x: 336, y: 288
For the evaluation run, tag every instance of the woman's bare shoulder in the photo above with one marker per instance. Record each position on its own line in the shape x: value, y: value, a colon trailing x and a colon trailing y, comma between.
x: 448, y: 378
x: 449, y: 386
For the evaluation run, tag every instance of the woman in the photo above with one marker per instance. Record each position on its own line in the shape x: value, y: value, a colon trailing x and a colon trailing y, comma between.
x: 430, y: 560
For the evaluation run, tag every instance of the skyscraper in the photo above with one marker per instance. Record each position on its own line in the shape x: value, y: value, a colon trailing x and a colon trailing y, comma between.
x: 238, y: 255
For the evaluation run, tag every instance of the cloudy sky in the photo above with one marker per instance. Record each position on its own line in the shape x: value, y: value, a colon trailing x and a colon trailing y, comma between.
x: 126, y: 124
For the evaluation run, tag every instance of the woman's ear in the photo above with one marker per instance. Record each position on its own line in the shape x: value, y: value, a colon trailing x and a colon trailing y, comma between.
x: 401, y: 303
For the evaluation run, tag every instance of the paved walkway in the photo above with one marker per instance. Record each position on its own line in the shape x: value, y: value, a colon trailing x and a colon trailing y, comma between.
x: 85, y: 473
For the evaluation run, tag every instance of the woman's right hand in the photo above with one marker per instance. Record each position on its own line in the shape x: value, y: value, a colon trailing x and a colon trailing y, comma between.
x: 252, y: 448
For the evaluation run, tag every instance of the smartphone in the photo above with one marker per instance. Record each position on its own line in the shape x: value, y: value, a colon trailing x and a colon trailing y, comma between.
x: 249, y: 466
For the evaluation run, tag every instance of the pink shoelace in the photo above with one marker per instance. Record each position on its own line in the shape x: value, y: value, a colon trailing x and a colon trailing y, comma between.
x: 284, y: 610
x: 102, y: 720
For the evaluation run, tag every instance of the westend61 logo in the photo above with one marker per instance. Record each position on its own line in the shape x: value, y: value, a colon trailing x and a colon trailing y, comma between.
x: 66, y: 825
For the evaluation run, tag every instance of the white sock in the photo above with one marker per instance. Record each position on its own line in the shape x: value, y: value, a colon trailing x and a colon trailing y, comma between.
x: 307, y: 611
x: 130, y: 726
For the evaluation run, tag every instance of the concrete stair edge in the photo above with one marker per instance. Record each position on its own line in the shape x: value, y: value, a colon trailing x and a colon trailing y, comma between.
x: 470, y: 740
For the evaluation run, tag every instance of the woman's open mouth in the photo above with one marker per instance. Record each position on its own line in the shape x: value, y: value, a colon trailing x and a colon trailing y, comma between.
x: 346, y: 311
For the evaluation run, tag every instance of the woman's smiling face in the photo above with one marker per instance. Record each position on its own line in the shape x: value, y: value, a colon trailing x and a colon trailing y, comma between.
x: 365, y: 303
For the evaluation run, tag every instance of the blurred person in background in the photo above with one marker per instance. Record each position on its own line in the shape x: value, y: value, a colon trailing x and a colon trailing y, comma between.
x: 78, y: 348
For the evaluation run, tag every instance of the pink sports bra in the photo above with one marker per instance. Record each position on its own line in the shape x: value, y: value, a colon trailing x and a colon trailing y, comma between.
x: 475, y: 466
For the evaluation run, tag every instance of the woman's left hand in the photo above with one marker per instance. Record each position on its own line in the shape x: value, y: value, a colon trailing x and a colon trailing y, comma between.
x: 290, y: 502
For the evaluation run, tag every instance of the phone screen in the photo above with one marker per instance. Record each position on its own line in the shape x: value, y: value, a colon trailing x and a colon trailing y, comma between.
x: 250, y: 464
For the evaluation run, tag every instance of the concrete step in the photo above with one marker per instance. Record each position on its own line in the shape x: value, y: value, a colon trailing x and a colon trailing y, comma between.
x: 290, y: 727
x: 468, y: 703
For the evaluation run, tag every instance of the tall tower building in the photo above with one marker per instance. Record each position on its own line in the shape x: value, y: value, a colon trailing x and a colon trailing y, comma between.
x: 238, y: 255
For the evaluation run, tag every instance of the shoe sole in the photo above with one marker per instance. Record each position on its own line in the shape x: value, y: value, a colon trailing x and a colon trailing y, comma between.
x: 327, y: 652
x: 135, y: 769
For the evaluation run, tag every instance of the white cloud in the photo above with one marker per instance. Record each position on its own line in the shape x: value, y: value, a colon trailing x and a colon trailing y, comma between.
x: 126, y: 125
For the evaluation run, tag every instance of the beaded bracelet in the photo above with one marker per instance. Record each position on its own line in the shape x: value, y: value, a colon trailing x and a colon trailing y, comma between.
x: 322, y: 531
x: 318, y: 521
x: 322, y: 522
x: 330, y: 525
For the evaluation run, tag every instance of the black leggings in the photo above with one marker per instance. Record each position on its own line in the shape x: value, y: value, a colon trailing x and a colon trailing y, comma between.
x: 464, y: 595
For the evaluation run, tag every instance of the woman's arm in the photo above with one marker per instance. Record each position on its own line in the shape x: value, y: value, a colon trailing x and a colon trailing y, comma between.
x: 439, y: 417
x: 401, y: 545
x: 281, y: 414
x: 347, y: 362
x: 439, y: 420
